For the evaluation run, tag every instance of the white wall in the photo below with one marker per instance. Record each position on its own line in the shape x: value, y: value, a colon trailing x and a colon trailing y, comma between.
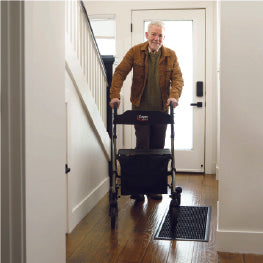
x: 240, y: 221
x: 122, y: 11
x: 88, y: 180
x: 45, y: 131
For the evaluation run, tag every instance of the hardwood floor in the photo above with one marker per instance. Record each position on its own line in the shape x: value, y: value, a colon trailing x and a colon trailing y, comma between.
x: 239, y: 258
x: 133, y: 239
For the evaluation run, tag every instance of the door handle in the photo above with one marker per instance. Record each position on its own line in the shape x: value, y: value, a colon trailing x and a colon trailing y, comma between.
x: 198, y: 104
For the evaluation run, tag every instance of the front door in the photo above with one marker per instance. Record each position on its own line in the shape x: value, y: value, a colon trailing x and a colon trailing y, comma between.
x: 185, y: 34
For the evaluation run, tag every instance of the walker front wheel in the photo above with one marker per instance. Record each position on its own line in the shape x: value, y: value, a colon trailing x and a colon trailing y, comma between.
x: 113, y: 217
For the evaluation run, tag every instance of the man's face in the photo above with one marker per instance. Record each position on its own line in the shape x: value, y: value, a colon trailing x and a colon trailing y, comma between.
x: 155, y: 37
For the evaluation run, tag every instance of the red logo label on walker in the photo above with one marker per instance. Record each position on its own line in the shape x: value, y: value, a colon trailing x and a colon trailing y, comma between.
x: 142, y: 117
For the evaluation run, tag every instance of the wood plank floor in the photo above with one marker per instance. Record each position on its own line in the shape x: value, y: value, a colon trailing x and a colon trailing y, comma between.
x: 239, y: 258
x: 133, y: 239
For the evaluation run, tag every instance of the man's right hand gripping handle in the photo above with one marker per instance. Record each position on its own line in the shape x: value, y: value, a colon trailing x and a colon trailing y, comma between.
x: 115, y: 101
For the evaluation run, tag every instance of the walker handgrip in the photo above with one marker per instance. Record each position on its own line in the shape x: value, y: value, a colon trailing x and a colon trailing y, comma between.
x: 172, y: 120
x: 114, y: 114
x: 115, y: 107
x: 171, y: 108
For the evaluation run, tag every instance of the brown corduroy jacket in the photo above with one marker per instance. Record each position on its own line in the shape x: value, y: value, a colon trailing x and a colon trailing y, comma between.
x: 170, y: 75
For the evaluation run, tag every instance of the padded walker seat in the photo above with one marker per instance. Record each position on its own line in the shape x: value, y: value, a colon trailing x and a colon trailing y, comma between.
x: 144, y: 171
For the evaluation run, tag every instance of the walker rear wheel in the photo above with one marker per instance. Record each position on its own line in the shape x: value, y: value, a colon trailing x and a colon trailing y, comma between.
x: 113, y: 209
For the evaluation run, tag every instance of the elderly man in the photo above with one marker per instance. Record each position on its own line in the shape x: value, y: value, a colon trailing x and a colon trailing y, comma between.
x: 157, y: 81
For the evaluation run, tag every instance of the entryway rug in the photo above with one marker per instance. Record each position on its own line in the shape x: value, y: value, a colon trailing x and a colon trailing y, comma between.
x: 192, y: 224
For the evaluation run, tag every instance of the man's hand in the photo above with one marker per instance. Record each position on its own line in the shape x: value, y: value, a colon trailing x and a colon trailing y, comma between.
x: 173, y: 100
x: 113, y: 101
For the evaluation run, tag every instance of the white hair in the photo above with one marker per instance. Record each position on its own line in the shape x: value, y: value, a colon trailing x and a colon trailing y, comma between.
x: 157, y: 23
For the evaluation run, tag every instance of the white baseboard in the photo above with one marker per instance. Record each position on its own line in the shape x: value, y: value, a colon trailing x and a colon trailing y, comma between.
x: 87, y: 203
x: 239, y: 241
x: 245, y: 242
x: 210, y: 167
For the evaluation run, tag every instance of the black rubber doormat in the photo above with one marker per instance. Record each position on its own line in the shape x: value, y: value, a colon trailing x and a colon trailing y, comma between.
x: 192, y: 224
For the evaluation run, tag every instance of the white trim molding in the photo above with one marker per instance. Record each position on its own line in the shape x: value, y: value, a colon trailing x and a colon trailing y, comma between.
x: 239, y: 241
x: 88, y: 202
x: 13, y: 212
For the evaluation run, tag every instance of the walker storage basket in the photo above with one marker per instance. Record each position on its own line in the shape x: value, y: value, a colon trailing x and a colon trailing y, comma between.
x: 144, y: 171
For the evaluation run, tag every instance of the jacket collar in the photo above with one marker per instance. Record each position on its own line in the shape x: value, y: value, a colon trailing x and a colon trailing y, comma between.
x: 165, y: 51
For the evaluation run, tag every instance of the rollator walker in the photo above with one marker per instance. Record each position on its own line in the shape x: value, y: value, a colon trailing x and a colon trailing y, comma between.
x: 142, y: 171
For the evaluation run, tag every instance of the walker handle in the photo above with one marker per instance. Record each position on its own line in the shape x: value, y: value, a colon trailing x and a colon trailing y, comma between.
x: 171, y: 108
x: 172, y: 119
x: 114, y: 114
x: 115, y: 107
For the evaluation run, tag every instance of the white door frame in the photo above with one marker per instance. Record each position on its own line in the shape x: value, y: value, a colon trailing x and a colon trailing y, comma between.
x: 13, y: 214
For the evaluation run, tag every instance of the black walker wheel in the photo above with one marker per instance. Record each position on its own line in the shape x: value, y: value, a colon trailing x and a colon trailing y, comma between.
x: 113, y: 217
x: 113, y: 208
x: 174, y: 207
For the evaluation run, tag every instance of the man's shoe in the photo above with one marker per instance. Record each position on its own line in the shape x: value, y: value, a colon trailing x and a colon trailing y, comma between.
x: 156, y: 196
x: 138, y: 197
